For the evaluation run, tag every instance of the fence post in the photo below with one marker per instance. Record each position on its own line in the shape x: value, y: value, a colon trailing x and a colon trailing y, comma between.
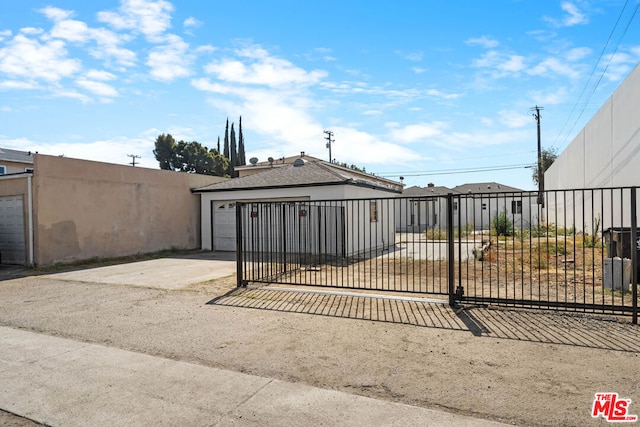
x: 634, y: 256
x: 450, y: 250
x: 239, y: 252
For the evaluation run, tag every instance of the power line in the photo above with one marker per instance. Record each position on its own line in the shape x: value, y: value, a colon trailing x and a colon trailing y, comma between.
x: 455, y: 171
x: 595, y: 67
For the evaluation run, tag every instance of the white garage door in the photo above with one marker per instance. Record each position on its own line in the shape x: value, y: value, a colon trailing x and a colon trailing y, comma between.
x: 12, y: 230
x: 224, y: 226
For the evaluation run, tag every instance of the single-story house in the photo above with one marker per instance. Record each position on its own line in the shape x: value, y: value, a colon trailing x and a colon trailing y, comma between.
x: 475, y: 205
x: 65, y: 210
x: 350, y: 207
x: 482, y: 202
x: 421, y: 208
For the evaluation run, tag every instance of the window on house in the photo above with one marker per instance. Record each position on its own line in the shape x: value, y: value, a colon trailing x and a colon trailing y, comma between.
x: 484, y: 206
x: 455, y: 206
x: 373, y: 211
x: 28, y: 170
x: 516, y: 207
x: 3, y: 170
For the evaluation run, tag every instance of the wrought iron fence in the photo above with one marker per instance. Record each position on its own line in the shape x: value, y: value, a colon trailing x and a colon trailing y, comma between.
x: 577, y: 250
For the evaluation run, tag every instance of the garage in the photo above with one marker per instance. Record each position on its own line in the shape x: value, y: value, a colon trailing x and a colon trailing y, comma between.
x: 12, y: 242
x: 224, y: 225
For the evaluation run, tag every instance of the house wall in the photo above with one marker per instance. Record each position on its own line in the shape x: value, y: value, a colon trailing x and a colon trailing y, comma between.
x: 15, y: 167
x: 86, y: 209
x: 606, y: 153
x: 19, y: 186
x: 357, y: 224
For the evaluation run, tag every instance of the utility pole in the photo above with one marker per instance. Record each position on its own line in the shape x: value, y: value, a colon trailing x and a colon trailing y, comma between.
x: 133, y: 159
x: 536, y: 115
x: 329, y: 142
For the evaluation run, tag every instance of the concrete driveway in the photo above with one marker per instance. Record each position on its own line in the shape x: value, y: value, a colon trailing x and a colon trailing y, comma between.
x: 174, y: 273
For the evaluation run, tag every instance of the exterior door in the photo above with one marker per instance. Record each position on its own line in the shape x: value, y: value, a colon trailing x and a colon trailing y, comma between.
x: 224, y: 226
x: 12, y: 242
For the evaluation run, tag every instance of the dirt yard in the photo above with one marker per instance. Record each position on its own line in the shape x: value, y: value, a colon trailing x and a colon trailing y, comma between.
x: 521, y: 367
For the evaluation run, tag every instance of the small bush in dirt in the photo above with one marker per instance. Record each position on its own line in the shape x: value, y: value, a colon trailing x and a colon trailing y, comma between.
x: 436, y: 234
x: 502, y: 225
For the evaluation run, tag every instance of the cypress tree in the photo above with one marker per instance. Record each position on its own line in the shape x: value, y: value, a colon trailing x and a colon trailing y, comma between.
x: 218, y: 144
x: 241, y: 156
x: 233, y: 161
x: 226, y: 141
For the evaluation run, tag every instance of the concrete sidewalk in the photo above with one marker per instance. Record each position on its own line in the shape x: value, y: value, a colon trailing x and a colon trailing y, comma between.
x: 59, y: 381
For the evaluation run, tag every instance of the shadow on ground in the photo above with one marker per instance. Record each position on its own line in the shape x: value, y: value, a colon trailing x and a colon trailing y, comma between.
x: 514, y: 324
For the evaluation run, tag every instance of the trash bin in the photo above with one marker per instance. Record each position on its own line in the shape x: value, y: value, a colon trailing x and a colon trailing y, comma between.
x: 617, y: 274
x: 619, y: 243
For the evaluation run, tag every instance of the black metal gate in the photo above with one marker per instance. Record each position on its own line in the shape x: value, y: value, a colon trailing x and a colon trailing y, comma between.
x: 577, y: 251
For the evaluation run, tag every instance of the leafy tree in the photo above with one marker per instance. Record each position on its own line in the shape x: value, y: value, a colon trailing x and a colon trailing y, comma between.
x: 165, y: 151
x: 547, y: 157
x: 190, y: 157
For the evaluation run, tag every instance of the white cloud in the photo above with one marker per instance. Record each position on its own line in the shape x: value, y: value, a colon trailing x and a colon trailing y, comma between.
x: 151, y: 18
x: 5, y: 34
x: 513, y: 119
x: 501, y: 63
x: 419, y: 70
x: 113, y: 150
x: 419, y: 132
x: 484, y: 41
x: 32, y: 60
x: 99, y: 75
x: 411, y: 56
x: 97, y: 87
x: 56, y: 14
x: 262, y: 69
x: 574, y: 15
x: 192, y: 22
x: 554, y: 66
x: 170, y: 61
x: 16, y: 84
x: 578, y: 53
x: 557, y: 95
x: 439, y: 94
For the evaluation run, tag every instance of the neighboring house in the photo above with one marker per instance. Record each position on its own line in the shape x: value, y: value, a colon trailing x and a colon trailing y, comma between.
x: 420, y: 208
x: 69, y: 209
x: 474, y: 205
x: 354, y: 225
x: 484, y: 201
x: 605, y: 153
x: 258, y: 166
x: 14, y: 161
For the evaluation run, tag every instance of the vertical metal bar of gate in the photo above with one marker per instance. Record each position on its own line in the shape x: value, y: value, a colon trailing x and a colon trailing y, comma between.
x: 633, y: 240
x: 239, y: 254
x: 450, y: 250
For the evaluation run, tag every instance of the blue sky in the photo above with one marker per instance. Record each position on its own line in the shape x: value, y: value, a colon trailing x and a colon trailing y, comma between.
x: 428, y: 90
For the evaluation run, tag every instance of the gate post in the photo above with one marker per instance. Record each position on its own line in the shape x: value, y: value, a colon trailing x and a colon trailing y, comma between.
x: 450, y: 251
x: 634, y: 256
x: 239, y: 251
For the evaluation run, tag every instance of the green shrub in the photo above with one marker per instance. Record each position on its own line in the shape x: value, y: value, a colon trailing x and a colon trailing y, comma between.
x: 502, y: 225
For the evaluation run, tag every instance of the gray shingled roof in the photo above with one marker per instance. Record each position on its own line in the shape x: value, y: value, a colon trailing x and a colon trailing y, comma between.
x: 313, y: 173
x: 15, y: 156
x: 485, y: 187
x: 416, y: 191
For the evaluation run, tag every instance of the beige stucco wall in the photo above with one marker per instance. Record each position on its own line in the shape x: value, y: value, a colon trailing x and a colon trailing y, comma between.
x: 18, y: 186
x: 86, y: 209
